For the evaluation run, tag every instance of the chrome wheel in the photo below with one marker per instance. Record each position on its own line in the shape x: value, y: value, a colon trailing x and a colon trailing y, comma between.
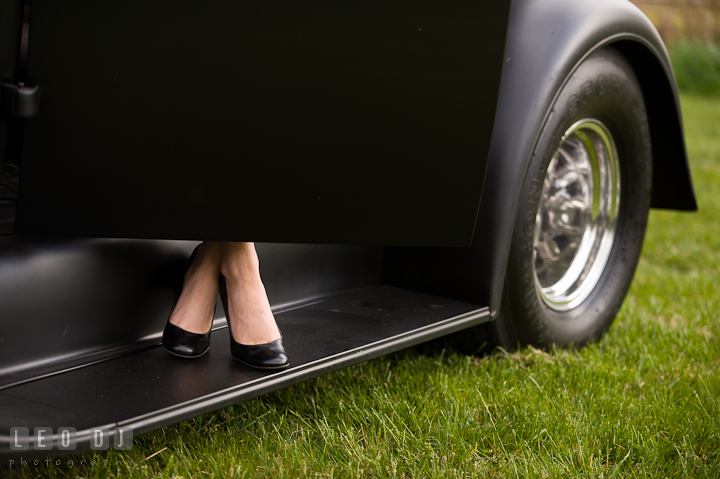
x: 581, y: 212
x: 575, y: 223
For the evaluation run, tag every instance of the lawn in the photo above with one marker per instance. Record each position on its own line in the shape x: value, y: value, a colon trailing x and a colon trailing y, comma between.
x: 642, y: 402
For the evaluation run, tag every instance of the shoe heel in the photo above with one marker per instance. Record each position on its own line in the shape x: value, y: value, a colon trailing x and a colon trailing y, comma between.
x: 180, y: 342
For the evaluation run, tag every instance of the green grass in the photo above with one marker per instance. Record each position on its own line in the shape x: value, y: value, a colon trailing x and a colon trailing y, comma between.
x: 697, y: 67
x: 642, y: 402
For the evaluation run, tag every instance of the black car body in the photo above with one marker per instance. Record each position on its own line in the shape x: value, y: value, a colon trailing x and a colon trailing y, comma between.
x: 380, y: 148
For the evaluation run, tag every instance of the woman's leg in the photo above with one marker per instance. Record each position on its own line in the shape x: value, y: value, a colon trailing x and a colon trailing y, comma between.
x: 252, y: 319
x: 194, y: 309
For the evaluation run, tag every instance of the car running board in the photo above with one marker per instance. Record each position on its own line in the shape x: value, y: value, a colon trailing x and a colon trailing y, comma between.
x: 151, y: 389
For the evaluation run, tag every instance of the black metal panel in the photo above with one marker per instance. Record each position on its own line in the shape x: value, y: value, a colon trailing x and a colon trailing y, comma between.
x: 295, y: 274
x: 546, y: 41
x: 152, y: 389
x: 7, y: 216
x: 66, y: 303
x: 310, y: 121
x: 11, y: 13
x: 10, y: 23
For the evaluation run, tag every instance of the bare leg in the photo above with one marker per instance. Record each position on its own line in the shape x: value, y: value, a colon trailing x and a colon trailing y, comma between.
x: 252, y: 319
x: 194, y: 309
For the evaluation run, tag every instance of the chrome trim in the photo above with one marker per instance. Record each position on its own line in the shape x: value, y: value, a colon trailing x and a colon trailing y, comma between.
x: 575, y: 224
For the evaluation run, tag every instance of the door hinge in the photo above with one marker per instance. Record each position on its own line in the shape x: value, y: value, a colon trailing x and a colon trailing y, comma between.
x: 19, y: 101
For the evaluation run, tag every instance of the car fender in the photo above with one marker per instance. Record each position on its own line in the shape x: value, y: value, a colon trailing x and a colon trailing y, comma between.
x: 546, y: 42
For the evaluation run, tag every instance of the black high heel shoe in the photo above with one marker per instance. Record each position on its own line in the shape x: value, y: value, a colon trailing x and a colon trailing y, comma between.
x: 183, y: 343
x: 270, y: 355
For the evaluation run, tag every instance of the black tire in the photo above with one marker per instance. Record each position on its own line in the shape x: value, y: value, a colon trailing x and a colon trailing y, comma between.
x: 603, y: 89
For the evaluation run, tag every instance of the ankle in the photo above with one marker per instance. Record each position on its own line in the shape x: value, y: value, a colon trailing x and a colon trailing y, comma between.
x: 240, y: 271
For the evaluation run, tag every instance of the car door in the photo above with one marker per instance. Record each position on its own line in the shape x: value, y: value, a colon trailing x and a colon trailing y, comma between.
x: 282, y: 121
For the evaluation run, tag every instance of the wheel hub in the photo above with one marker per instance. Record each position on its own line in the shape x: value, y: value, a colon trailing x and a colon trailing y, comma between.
x: 575, y: 224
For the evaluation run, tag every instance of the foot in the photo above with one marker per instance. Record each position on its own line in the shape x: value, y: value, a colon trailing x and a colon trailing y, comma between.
x: 250, y: 315
x: 194, y: 309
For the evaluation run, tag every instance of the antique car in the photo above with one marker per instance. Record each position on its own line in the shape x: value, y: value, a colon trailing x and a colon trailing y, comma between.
x: 409, y: 170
